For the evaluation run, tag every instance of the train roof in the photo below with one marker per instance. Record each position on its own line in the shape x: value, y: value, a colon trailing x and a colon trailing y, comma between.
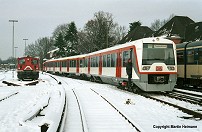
x: 119, y: 46
x: 191, y: 44
x: 66, y: 58
x: 144, y: 40
x: 28, y: 57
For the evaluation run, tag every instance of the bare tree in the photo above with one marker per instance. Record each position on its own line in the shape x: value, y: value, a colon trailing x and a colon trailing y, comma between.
x: 157, y: 24
x: 40, y: 48
x: 101, y: 32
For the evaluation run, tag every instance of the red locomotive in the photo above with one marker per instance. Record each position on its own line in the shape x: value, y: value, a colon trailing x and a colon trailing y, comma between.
x: 28, y: 68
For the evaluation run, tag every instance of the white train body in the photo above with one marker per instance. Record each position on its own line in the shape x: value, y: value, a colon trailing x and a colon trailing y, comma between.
x: 153, y: 59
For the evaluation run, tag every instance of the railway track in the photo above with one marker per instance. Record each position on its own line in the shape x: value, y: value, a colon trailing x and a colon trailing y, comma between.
x: 189, y: 88
x: 94, y: 110
x: 112, y: 109
x: 187, y: 96
x: 124, y: 116
x: 84, y: 99
x: 194, y: 114
x: 8, y: 96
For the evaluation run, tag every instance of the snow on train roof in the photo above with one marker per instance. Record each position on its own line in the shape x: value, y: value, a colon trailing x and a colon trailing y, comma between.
x: 138, y: 42
x: 65, y: 58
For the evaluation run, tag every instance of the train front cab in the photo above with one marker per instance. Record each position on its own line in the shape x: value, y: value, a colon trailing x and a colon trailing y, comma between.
x: 157, y: 67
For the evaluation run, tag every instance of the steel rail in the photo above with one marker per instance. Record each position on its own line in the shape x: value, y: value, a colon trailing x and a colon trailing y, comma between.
x: 129, y: 121
x: 185, y: 110
x: 84, y: 125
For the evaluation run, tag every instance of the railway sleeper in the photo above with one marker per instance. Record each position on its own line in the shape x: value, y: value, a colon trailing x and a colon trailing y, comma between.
x: 185, y: 110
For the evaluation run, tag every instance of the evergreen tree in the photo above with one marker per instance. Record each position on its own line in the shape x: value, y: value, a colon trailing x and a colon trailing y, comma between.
x: 133, y: 25
x: 71, y: 38
x: 60, y: 43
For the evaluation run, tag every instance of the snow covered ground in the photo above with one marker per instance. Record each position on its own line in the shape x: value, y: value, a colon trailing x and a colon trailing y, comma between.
x: 148, y: 114
x: 16, y: 112
x: 27, y: 108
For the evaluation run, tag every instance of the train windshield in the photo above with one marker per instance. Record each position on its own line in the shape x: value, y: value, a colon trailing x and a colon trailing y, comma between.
x: 34, y: 62
x: 158, y: 53
x: 21, y: 61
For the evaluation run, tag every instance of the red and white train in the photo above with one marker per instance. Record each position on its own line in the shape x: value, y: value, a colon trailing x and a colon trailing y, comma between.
x: 28, y: 68
x: 153, y: 59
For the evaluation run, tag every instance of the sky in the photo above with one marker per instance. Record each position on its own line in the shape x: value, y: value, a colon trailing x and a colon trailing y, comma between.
x: 37, y: 19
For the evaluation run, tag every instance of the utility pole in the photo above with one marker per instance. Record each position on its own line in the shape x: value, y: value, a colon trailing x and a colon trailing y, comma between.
x: 25, y: 45
x: 13, y: 21
x: 107, y: 39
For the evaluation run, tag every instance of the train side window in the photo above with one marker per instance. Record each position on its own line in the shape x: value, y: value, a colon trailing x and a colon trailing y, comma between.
x: 72, y: 63
x: 96, y: 61
x: 113, y: 60
x: 86, y: 63
x: 81, y: 63
x: 190, y: 56
x: 108, y: 60
x: 91, y: 62
x: 58, y: 64
x: 125, y: 57
x: 104, y: 61
x: 64, y: 63
x: 200, y: 56
x: 180, y: 57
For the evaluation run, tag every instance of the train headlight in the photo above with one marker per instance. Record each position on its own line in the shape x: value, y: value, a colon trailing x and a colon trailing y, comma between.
x: 171, y: 68
x: 146, y: 68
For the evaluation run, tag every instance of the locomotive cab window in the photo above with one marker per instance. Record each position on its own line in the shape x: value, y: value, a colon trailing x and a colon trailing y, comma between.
x: 162, y: 53
x: 22, y: 61
x: 86, y: 63
x: 34, y: 62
